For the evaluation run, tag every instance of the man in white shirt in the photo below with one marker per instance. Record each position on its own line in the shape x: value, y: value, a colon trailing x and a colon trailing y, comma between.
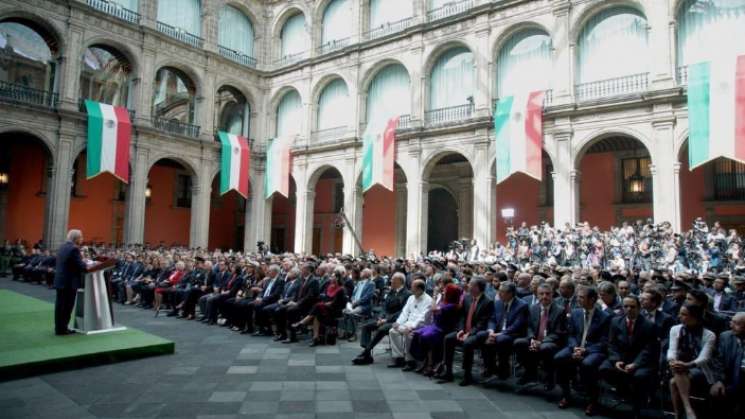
x: 412, y: 316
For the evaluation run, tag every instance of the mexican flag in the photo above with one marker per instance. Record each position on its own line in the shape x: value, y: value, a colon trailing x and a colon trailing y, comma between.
x: 277, y: 177
x: 716, y: 110
x: 377, y: 156
x: 234, y: 164
x: 518, y: 129
x: 109, y: 133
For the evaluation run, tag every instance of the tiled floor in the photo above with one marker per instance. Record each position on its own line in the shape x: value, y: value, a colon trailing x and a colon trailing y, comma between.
x: 219, y: 374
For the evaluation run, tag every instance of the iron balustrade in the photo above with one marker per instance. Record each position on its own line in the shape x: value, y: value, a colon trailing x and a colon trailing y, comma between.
x: 329, y: 133
x: 404, y: 122
x: 116, y: 10
x: 388, y: 28
x: 238, y: 57
x: 180, y: 34
x: 18, y: 93
x: 450, y: 115
x: 634, y: 83
x: 334, y: 45
x: 449, y: 9
x: 176, y: 127
x: 290, y: 59
x: 548, y: 99
x: 681, y: 75
x: 83, y: 109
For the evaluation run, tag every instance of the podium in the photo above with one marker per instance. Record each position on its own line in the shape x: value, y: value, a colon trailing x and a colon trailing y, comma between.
x: 93, y: 313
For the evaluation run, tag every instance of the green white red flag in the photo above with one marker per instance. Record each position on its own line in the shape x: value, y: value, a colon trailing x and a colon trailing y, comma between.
x: 109, y: 134
x: 518, y: 129
x: 716, y: 110
x: 378, y: 155
x: 277, y: 178
x: 235, y: 161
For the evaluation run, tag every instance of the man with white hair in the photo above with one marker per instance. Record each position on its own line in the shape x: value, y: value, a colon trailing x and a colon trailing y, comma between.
x: 68, y: 276
x: 412, y: 316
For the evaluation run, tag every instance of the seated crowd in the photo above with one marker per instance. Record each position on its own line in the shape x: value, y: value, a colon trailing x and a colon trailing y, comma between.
x: 586, y: 324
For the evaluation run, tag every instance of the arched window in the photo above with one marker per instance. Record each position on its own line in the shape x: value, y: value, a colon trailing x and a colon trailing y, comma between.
x: 337, y: 21
x: 334, y: 107
x: 706, y: 27
x: 524, y: 63
x: 613, y: 43
x: 105, y: 76
x: 232, y: 111
x: 28, y: 55
x: 181, y: 14
x: 389, y: 95
x: 289, y: 115
x: 235, y: 31
x: 452, y: 79
x: 389, y: 11
x: 294, y: 38
x: 174, y: 96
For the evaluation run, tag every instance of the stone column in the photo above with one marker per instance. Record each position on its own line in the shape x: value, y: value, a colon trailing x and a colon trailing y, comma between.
x: 665, y: 190
x: 466, y: 209
x: 566, y: 192
x: 205, y: 107
x: 201, y: 195
x: 353, y: 211
x: 255, y: 227
x: 68, y: 70
x: 661, y: 45
x: 482, y: 91
x: 483, y: 207
x: 416, y: 216
x: 304, y: 203
x: 563, y: 81
x: 148, y: 72
x: 400, y: 219
x: 58, y: 195
x: 136, y: 200
x: 210, y: 18
x: 149, y: 13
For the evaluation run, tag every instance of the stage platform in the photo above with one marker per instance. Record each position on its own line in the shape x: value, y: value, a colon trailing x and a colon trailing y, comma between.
x: 28, y: 345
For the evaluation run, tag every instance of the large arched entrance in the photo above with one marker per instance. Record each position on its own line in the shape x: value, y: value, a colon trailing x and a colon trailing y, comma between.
x: 97, y: 205
x: 168, y: 203
x: 283, y: 221
x: 25, y: 179
x: 615, y: 178
x: 451, y: 174
x: 328, y: 201
x: 714, y: 191
x: 227, y: 218
x: 384, y: 217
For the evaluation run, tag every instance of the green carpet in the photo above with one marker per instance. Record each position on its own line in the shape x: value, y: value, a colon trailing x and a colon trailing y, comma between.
x: 28, y: 345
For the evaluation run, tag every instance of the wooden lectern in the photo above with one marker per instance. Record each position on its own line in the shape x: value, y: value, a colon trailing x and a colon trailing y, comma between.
x: 93, y: 313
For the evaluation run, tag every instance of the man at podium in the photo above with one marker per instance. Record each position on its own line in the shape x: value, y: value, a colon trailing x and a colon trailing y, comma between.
x: 68, y: 275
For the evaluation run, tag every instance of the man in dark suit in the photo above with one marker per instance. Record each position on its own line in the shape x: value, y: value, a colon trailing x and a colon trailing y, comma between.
x: 672, y: 305
x: 508, y: 322
x: 650, y: 302
x: 632, y: 353
x: 270, y: 294
x: 567, y: 297
x: 545, y: 336
x: 730, y: 369
x: 310, y: 291
x: 477, y: 310
x: 722, y: 300
x: 68, y: 275
x: 586, y: 345
x: 289, y: 293
x: 375, y: 330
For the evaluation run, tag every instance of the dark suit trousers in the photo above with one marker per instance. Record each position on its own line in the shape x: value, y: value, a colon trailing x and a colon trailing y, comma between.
x: 264, y: 315
x: 470, y: 344
x: 279, y: 316
x: 529, y: 360
x: 502, y: 348
x: 190, y: 303
x: 63, y: 306
x: 566, y: 368
x: 637, y: 383
x: 372, y: 334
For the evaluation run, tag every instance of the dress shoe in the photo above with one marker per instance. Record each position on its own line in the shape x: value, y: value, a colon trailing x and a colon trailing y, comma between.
x: 352, y: 338
x: 563, y: 403
x: 280, y: 338
x: 397, y: 363
x: 290, y: 340
x: 316, y: 342
x: 410, y: 366
x: 172, y: 314
x: 591, y: 409
x: 363, y: 359
x: 466, y: 381
x: 423, y: 368
x: 445, y: 378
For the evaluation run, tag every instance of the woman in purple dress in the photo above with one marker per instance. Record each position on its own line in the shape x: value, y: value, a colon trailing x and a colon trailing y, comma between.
x: 427, y: 341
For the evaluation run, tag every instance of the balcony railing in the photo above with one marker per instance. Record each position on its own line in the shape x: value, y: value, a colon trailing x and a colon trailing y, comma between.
x: 548, y: 99
x: 82, y: 108
x: 328, y: 133
x: 681, y: 75
x: 404, y: 122
x: 634, y: 83
x: 449, y: 9
x: 238, y: 57
x: 18, y: 93
x: 116, y: 10
x: 334, y: 45
x: 180, y: 34
x: 388, y: 28
x: 448, y: 116
x: 176, y: 127
x: 290, y: 59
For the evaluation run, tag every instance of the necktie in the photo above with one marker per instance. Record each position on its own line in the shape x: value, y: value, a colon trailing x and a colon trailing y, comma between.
x: 630, y: 327
x: 269, y: 288
x: 586, y: 327
x: 505, y: 315
x: 469, y: 318
x: 542, y: 325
